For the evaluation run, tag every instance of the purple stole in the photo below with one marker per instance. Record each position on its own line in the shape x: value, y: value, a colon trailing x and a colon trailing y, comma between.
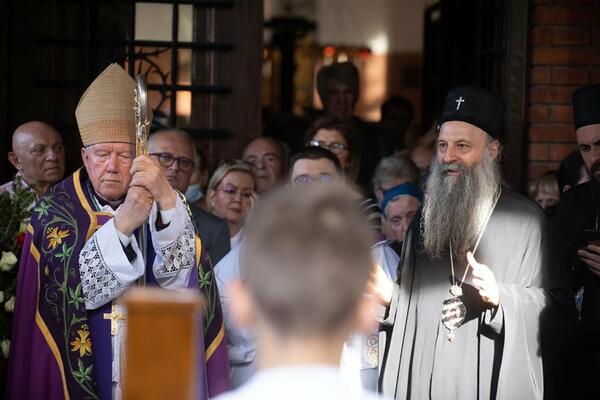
x: 215, y: 344
x: 59, y: 350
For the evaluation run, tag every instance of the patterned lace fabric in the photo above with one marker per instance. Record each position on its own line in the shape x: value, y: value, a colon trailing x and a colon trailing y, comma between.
x: 99, y: 283
x: 179, y: 254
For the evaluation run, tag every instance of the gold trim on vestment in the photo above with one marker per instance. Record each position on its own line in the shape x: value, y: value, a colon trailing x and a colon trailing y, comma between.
x: 86, y: 206
x: 42, y: 325
x: 215, y: 343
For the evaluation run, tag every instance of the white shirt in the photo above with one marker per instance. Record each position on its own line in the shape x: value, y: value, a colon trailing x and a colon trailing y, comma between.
x: 360, y: 354
x: 236, y: 239
x: 312, y: 382
x: 387, y: 258
x: 106, y: 272
x: 241, y: 343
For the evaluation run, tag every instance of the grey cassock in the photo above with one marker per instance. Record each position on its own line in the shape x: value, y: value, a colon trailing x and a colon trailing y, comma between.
x: 496, y: 354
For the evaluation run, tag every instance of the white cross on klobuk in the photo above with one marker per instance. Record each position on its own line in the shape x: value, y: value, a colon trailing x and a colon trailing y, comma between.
x: 459, y: 101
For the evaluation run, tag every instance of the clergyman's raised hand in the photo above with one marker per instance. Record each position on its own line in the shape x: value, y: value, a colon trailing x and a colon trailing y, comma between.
x: 484, y: 281
x: 148, y: 174
x: 135, y: 210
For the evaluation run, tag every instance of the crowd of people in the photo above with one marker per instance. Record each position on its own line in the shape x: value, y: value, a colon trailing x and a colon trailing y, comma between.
x: 343, y: 262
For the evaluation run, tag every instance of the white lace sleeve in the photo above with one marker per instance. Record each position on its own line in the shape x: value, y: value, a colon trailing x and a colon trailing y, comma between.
x: 104, y: 268
x: 174, y: 246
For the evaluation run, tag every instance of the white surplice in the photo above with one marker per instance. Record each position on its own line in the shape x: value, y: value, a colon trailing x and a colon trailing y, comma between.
x: 106, y: 271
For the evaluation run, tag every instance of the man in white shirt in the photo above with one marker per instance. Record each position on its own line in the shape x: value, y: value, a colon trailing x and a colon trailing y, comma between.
x: 304, y: 270
x: 313, y: 164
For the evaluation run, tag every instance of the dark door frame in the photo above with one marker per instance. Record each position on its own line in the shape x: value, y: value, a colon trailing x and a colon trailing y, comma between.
x: 514, y: 162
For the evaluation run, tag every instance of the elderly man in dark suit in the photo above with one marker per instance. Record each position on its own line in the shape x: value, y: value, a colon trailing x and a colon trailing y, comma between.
x: 174, y: 149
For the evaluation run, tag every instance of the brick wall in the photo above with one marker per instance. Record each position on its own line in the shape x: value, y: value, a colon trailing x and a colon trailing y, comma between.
x: 564, y: 54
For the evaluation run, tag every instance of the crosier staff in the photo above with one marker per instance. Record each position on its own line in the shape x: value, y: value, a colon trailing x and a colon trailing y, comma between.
x: 142, y: 126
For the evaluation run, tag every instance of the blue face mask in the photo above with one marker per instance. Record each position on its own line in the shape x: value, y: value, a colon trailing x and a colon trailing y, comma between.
x: 194, y: 193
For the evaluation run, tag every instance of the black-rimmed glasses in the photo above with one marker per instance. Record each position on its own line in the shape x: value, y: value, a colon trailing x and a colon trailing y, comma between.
x: 167, y: 159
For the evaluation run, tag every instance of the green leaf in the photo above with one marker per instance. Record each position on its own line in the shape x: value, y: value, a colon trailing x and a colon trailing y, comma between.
x: 42, y: 209
x: 80, y: 365
x: 75, y: 297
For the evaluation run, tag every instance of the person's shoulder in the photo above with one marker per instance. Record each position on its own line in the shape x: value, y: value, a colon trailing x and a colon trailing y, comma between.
x: 578, y: 192
x: 519, y: 203
x: 204, y: 215
x: 232, y: 258
x: 520, y: 211
x: 6, y: 187
x: 206, y: 222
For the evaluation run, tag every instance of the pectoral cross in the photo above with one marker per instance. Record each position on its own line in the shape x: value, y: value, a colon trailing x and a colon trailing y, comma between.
x: 114, y: 317
x: 459, y: 101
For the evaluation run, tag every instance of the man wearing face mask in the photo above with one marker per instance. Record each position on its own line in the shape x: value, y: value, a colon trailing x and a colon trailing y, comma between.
x: 195, y: 192
x: 175, y: 151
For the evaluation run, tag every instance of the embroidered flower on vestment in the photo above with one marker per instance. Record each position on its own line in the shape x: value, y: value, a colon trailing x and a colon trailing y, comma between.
x: 55, y: 236
x: 83, y: 342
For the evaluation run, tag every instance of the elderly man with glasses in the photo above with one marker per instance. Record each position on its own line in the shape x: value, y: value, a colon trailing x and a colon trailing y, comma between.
x: 174, y: 150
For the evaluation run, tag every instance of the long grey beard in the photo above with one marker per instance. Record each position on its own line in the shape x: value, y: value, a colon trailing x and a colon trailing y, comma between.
x: 457, y: 207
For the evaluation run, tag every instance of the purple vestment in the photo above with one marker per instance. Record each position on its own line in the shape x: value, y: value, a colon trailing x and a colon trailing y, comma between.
x: 59, y: 349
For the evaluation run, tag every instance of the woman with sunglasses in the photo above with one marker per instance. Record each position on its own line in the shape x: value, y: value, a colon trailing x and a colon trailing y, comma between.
x: 231, y: 194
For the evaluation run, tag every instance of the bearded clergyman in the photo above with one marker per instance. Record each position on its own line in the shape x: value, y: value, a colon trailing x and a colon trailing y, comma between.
x: 478, y: 309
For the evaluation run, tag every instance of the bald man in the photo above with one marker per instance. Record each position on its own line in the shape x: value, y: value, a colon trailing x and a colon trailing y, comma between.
x: 38, y: 155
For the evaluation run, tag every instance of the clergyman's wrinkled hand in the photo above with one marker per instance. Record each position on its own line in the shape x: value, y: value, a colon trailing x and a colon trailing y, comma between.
x: 147, y: 173
x: 135, y: 210
x: 484, y: 281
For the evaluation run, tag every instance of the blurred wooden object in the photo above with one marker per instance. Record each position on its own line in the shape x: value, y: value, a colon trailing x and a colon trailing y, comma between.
x: 162, y: 344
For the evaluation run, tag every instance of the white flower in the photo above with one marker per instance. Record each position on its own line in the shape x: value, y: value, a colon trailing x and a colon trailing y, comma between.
x: 1, y: 296
x: 8, y: 261
x: 5, y: 347
x: 23, y: 226
x: 10, y: 304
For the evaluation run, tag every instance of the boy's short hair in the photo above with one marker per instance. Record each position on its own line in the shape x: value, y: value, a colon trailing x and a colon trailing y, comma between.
x: 307, y: 259
x: 314, y: 153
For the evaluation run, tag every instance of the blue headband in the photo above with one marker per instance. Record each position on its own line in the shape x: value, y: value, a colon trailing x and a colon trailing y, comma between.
x: 409, y: 189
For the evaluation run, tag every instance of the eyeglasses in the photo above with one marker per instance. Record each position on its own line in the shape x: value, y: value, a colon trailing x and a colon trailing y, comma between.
x: 325, y: 178
x: 232, y: 191
x: 335, y: 147
x: 167, y: 159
